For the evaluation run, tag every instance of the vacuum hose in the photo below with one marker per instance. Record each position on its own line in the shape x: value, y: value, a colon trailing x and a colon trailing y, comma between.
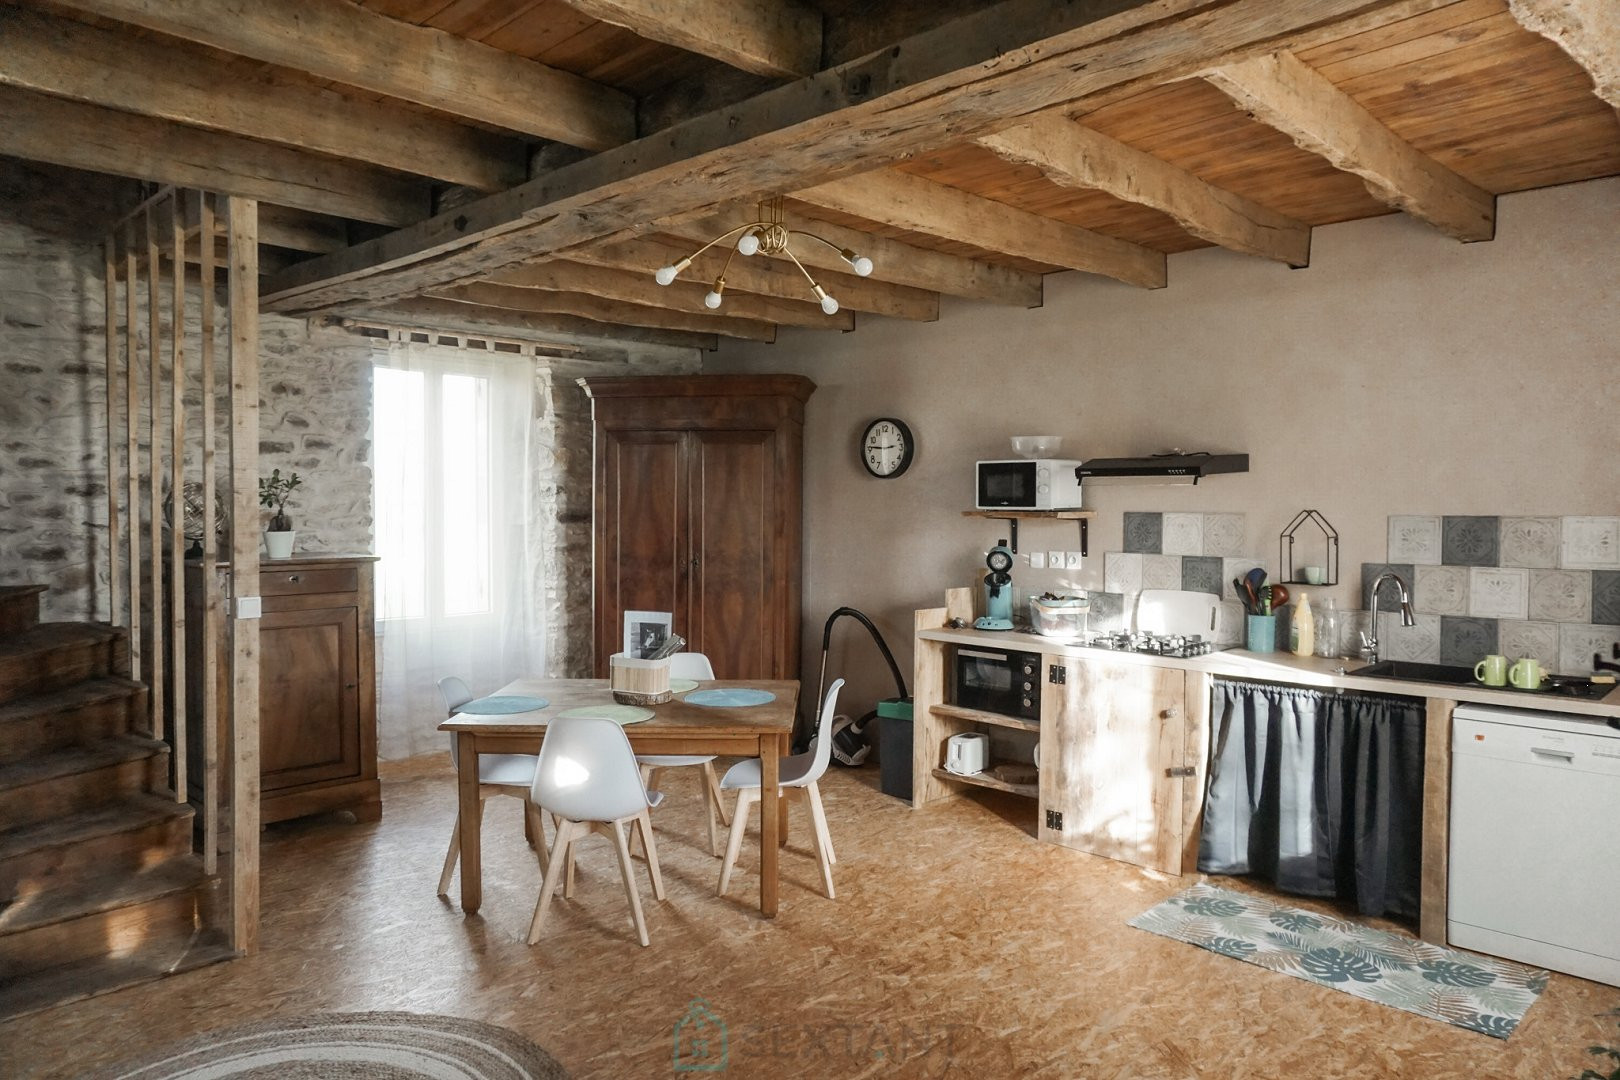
x: 804, y: 730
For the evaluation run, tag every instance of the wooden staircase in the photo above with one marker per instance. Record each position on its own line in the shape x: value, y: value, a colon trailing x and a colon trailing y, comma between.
x: 99, y: 888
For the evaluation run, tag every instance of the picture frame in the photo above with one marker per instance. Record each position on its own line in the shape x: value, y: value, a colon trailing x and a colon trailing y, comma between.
x: 646, y: 631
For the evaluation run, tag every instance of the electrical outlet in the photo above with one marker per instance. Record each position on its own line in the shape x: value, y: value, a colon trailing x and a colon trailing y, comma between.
x: 1054, y: 559
x: 1037, y: 560
x: 1071, y: 560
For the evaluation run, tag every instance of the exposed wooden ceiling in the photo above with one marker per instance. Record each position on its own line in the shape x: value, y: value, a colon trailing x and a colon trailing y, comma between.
x: 528, y: 163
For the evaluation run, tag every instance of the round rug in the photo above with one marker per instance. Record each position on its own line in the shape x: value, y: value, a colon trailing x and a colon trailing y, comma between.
x: 350, y: 1046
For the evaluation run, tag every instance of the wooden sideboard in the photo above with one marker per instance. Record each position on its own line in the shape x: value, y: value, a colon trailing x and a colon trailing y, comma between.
x: 317, y: 683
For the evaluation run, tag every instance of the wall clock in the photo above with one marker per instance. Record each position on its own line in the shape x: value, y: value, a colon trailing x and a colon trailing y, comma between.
x: 887, y: 448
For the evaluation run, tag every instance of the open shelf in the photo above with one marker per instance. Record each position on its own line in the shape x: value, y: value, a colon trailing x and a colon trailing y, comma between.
x: 1013, y: 517
x: 977, y: 716
x: 1029, y: 791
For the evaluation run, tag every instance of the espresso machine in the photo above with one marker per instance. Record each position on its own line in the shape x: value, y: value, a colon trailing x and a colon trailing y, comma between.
x: 998, y: 591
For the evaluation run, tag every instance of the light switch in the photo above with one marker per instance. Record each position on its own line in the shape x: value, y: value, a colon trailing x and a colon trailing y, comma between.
x: 249, y: 607
x: 1037, y: 560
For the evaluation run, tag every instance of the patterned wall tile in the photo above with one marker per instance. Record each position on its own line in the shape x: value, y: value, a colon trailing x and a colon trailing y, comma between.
x: 1420, y: 642
x: 1202, y: 573
x: 1517, y: 638
x: 1470, y: 541
x: 1561, y: 595
x: 1591, y: 543
x: 1183, y: 534
x: 1606, y: 596
x: 1144, y: 533
x: 1578, y: 641
x: 1122, y: 572
x: 1161, y: 571
x: 1224, y: 534
x: 1498, y: 592
x: 1107, y: 611
x: 1466, y: 641
x: 1441, y: 590
x: 1235, y: 567
x: 1414, y: 539
x: 1389, y: 597
x: 1531, y: 541
x: 1229, y: 626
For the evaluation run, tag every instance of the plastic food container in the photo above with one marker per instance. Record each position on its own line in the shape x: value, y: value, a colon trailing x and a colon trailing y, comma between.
x: 1062, y: 617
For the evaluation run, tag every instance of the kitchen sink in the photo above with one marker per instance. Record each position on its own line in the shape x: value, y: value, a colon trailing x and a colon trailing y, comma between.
x: 1415, y: 672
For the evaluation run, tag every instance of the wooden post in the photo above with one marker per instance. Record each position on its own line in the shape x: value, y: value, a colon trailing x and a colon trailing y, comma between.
x: 154, y: 455
x: 210, y: 573
x: 177, y: 485
x: 132, y: 409
x: 1436, y: 820
x: 115, y: 589
x: 242, y: 223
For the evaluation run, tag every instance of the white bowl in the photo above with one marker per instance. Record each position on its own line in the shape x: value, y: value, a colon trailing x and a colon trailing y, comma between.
x: 1037, y: 446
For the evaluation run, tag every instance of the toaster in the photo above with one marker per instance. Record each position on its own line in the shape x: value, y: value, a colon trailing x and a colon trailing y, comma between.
x: 967, y: 753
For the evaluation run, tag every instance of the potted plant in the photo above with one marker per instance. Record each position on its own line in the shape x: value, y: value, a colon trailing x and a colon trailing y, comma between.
x: 274, y: 491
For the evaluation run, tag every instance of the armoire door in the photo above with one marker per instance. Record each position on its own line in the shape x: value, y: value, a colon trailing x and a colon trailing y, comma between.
x: 309, y: 712
x: 735, y: 612
x: 642, y: 561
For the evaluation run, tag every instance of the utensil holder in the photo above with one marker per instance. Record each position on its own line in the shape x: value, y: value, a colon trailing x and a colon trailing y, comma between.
x: 638, y: 682
x: 1262, y: 633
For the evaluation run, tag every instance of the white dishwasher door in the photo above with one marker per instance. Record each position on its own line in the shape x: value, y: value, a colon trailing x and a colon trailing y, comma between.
x: 1535, y: 840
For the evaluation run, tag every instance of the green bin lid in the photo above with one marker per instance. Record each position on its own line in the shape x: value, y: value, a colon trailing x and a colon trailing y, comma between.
x: 895, y: 708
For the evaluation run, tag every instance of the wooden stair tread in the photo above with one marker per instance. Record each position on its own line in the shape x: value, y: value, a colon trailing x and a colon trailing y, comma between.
x: 91, y: 895
x: 54, y: 635
x: 53, y: 764
x: 89, y: 692
x: 127, y: 815
x: 88, y: 978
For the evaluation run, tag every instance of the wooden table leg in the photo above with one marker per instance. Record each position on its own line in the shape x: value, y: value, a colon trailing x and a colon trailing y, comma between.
x: 770, y: 809
x: 472, y: 873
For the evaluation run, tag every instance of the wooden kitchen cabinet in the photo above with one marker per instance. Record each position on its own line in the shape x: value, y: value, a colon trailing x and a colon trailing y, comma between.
x: 317, y: 684
x: 698, y: 512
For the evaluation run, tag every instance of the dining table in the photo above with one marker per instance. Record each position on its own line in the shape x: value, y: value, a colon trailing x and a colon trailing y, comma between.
x: 676, y: 727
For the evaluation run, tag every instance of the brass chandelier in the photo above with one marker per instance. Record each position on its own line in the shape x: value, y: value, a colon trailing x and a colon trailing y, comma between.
x: 766, y: 235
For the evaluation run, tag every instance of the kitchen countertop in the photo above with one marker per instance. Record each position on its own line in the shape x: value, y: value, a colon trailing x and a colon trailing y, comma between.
x: 1286, y: 668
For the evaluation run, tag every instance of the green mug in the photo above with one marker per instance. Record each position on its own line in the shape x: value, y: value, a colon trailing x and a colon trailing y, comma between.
x: 1526, y: 674
x: 1492, y: 671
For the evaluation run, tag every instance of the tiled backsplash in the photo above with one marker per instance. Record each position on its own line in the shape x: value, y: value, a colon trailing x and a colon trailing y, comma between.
x: 1196, y: 552
x: 1547, y: 587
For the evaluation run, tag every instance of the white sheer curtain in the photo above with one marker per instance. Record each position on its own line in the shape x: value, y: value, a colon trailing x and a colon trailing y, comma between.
x: 455, y: 587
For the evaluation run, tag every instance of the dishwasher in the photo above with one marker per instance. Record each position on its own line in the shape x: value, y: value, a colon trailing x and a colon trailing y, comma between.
x: 1535, y: 840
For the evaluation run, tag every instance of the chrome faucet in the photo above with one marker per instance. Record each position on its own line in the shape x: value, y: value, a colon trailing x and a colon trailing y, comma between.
x: 1369, y: 638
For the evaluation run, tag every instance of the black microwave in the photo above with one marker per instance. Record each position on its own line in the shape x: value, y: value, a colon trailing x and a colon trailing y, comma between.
x: 1004, y: 681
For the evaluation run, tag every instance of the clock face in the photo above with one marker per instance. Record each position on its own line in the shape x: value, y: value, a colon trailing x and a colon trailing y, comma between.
x: 887, y: 448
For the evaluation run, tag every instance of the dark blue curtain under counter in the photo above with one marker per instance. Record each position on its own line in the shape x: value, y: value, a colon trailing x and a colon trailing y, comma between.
x: 1319, y: 793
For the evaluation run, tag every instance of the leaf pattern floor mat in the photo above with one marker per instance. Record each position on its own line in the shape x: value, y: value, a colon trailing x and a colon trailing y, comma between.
x: 1479, y: 993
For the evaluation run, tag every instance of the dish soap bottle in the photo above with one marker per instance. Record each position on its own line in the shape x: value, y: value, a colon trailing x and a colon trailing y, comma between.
x: 1303, y: 627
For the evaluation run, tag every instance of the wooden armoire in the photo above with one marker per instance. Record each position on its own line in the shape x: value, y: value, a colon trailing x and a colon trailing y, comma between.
x: 698, y: 512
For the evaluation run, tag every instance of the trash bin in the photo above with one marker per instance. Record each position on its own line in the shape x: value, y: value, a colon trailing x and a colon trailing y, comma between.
x: 894, y: 747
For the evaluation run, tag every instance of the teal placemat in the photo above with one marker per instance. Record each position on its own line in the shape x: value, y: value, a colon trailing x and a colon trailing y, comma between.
x: 730, y: 697
x: 501, y: 706
x: 619, y: 714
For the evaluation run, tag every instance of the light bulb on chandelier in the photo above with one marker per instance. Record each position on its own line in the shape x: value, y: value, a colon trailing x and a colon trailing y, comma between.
x: 711, y: 299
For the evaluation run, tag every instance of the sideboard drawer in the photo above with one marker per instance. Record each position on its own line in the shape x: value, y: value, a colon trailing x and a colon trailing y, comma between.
x: 292, y: 582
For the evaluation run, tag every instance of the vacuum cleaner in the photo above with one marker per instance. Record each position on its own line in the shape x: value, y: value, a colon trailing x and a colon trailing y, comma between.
x: 850, y: 744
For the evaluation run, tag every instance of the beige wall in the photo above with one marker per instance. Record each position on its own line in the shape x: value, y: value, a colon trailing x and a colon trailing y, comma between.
x: 1401, y: 372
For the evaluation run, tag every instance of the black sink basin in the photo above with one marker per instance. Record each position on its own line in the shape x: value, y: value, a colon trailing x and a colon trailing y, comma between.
x: 1415, y: 672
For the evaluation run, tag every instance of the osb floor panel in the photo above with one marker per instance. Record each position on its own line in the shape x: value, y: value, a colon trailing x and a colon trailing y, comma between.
x: 958, y: 946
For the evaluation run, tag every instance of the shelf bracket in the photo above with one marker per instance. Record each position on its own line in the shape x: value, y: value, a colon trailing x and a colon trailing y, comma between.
x: 1012, y: 535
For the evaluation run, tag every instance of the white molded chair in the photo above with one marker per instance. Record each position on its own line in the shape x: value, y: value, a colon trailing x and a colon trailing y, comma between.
x: 798, y: 775
x: 690, y: 665
x: 588, y: 781
x: 498, y: 774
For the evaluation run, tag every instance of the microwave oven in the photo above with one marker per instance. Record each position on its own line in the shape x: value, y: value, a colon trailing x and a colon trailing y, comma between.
x: 1005, y: 681
x: 1027, y: 484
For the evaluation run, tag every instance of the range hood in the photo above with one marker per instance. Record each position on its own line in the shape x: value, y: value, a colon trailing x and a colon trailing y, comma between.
x: 1172, y: 468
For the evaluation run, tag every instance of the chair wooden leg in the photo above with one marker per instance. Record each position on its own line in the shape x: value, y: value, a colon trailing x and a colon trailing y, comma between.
x: 562, y: 853
x: 536, y: 833
x: 712, y: 785
x: 625, y: 871
x: 568, y: 874
x: 451, y: 856
x: 643, y: 822
x: 820, y: 838
x: 739, y: 823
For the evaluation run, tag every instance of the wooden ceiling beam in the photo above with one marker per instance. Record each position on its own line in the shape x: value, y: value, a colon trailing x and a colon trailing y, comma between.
x: 63, y: 132
x: 893, y: 261
x: 919, y: 205
x: 1588, y: 30
x: 297, y: 230
x: 1077, y: 157
x: 187, y: 85
x: 969, y: 77
x: 453, y: 316
x: 602, y: 310
x: 1284, y: 92
x: 561, y: 275
x: 342, y: 41
x: 767, y: 37
x: 764, y: 277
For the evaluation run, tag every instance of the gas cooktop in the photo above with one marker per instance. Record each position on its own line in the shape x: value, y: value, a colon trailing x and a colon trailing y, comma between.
x: 1180, y: 646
